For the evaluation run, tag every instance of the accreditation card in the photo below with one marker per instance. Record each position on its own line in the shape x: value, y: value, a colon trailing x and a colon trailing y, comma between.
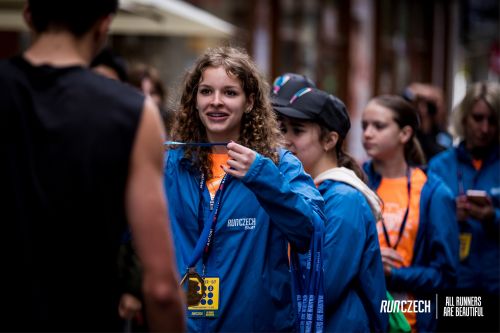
x: 209, y: 304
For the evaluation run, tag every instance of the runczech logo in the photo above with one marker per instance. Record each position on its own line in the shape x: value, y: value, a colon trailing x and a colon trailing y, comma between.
x: 246, y: 223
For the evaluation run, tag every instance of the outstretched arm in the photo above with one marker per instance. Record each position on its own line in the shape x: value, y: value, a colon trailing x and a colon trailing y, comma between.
x: 148, y: 219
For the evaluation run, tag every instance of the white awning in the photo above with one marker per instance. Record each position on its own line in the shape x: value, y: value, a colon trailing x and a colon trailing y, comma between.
x: 141, y: 17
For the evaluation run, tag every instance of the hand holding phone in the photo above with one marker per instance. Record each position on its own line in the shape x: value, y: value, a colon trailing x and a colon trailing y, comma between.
x: 478, y: 197
x: 480, y: 206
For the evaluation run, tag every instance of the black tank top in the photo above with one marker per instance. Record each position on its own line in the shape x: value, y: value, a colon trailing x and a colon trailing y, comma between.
x: 66, y: 139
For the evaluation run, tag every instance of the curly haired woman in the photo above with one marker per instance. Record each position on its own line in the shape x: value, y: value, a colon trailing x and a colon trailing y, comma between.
x: 235, y: 199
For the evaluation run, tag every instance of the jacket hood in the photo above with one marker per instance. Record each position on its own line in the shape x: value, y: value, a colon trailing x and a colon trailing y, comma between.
x: 348, y: 176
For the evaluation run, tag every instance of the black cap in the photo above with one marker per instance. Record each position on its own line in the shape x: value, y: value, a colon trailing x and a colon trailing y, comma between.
x: 318, y: 106
x: 286, y: 85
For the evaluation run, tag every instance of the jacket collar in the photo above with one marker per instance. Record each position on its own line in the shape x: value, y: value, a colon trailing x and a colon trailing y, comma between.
x: 374, y: 178
x: 464, y: 155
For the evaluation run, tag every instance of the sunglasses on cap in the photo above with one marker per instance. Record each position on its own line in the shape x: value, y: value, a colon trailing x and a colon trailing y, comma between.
x: 299, y: 93
x: 280, y: 82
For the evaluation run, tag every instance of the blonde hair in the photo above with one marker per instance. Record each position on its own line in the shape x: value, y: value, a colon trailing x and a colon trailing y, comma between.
x: 259, y: 129
x: 489, y: 92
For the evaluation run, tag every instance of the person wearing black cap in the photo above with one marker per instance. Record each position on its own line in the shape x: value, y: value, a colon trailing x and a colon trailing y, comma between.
x: 418, y: 233
x: 315, y: 125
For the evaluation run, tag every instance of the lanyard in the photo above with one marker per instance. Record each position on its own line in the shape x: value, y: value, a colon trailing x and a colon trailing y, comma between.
x: 200, y: 144
x: 461, y: 187
x: 204, y: 243
x: 307, y: 282
x: 405, y: 217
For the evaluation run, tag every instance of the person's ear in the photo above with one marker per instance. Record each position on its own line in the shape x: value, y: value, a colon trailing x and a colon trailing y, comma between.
x: 100, y: 31
x: 27, y: 17
x: 405, y: 134
x: 102, y: 28
x: 249, y: 104
x: 104, y: 25
x: 330, y: 141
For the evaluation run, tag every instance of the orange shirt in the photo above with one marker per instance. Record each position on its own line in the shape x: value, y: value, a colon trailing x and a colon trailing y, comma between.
x: 477, y: 164
x: 394, y: 195
x: 217, y: 172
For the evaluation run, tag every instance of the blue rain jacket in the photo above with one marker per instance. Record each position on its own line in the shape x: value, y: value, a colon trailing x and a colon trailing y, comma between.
x: 435, y: 255
x: 271, y: 206
x: 354, y: 277
x: 480, y: 271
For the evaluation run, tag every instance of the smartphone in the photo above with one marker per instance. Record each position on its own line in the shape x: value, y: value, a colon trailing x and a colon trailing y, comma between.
x: 477, y: 197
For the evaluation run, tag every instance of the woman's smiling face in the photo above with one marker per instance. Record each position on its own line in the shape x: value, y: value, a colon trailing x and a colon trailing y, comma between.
x: 221, y: 102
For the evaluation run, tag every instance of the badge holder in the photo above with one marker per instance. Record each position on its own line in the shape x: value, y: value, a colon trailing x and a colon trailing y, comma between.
x: 195, y: 286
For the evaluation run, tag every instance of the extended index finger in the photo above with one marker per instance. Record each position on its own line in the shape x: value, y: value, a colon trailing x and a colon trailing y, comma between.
x: 237, y: 147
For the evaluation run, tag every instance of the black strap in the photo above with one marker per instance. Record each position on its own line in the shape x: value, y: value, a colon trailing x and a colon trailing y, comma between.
x: 405, y: 217
x: 217, y: 204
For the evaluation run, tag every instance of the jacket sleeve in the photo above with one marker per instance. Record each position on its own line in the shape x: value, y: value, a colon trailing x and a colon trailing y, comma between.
x: 352, y: 255
x: 440, y: 246
x: 344, y: 234
x: 288, y: 196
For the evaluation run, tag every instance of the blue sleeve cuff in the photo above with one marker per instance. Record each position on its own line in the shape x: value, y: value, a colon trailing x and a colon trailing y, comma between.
x: 254, y: 169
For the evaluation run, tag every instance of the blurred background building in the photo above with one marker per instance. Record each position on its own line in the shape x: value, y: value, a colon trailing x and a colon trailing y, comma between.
x: 354, y: 49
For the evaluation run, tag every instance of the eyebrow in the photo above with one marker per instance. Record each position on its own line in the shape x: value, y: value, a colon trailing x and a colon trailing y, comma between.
x: 204, y: 85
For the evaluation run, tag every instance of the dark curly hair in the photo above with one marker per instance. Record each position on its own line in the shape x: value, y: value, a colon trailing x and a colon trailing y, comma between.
x: 259, y: 129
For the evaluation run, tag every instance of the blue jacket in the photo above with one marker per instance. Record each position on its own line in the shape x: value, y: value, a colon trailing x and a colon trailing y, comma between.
x: 480, y: 271
x: 354, y: 277
x: 435, y: 255
x: 271, y: 206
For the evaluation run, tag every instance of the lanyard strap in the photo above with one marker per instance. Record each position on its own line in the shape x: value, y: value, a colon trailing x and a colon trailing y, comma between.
x: 200, y: 144
x: 207, y: 235
x: 405, y: 217
x: 307, y: 281
x: 460, y: 181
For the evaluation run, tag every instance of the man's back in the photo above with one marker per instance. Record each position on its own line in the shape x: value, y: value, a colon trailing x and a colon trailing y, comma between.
x: 67, y: 137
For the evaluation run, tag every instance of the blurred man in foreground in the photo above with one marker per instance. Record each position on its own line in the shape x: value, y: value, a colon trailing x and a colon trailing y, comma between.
x: 80, y: 156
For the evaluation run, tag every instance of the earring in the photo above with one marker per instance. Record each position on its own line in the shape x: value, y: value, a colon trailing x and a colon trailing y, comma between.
x: 247, y: 111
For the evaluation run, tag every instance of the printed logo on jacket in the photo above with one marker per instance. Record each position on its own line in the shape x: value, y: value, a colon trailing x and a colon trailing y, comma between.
x: 244, y: 223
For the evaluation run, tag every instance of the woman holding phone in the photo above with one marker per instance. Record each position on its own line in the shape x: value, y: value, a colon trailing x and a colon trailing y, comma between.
x: 471, y: 170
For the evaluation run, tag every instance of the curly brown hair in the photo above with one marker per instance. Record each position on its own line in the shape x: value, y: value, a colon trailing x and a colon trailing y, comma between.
x: 259, y: 128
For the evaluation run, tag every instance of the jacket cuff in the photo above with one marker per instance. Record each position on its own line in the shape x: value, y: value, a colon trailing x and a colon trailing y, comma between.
x: 254, y: 169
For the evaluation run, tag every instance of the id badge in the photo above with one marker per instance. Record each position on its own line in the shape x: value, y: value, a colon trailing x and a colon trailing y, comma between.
x: 465, y: 240
x: 195, y: 286
x: 209, y: 304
